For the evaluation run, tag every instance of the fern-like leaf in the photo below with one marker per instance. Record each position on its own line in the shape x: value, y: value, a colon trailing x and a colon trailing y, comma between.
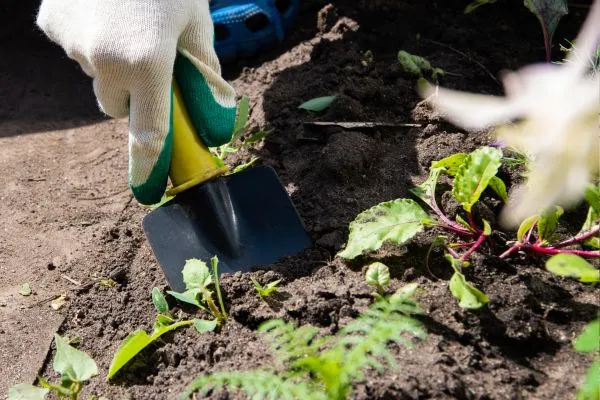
x: 258, y: 385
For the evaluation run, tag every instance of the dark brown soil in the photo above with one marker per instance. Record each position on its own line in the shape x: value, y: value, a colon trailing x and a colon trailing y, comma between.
x: 517, y: 348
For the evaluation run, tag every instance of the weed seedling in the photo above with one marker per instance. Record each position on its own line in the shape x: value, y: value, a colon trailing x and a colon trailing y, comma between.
x: 418, y: 66
x: 164, y: 322
x: 589, y: 342
x: 197, y: 279
x: 314, y: 367
x: 75, y: 368
x: 267, y: 290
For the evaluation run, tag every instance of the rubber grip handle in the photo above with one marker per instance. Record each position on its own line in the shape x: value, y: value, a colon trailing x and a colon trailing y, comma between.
x: 191, y: 161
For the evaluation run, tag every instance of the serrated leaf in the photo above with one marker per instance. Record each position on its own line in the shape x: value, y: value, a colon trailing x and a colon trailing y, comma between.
x: 526, y: 226
x: 548, y: 12
x: 378, y: 274
x: 135, y: 342
x: 196, y: 274
x: 318, y: 104
x: 451, y: 164
x: 590, y: 389
x: 573, y: 266
x: 499, y: 187
x: 204, y: 325
x: 588, y: 341
x: 396, y: 221
x: 547, y: 224
x: 426, y: 190
x: 159, y: 301
x: 468, y: 296
x: 73, y: 363
x: 23, y: 391
x: 476, y: 4
x: 475, y: 174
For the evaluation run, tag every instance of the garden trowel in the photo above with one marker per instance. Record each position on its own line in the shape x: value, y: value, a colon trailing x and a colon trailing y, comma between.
x: 246, y: 219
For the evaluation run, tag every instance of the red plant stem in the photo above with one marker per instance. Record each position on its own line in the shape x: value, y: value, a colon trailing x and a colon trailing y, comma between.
x: 548, y: 250
x: 592, y: 232
x: 475, y: 246
x: 453, y: 253
x: 546, y: 42
x: 448, y: 223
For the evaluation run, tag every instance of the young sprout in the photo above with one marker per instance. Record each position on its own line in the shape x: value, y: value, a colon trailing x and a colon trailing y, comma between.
x: 378, y: 275
x: 267, y: 290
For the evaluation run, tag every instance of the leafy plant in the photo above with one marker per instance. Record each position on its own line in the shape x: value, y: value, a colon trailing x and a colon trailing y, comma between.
x: 418, y: 66
x: 398, y: 221
x: 318, y: 104
x: 197, y: 279
x: 75, y: 368
x: 164, y: 322
x: 548, y: 12
x: 589, y: 342
x: 267, y: 290
x: 378, y: 275
x: 317, y: 367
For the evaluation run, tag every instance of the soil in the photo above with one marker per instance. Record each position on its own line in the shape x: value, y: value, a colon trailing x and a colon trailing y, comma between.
x: 66, y: 192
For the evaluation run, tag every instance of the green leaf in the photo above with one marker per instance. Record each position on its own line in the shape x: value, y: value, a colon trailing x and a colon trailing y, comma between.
x: 25, y: 290
x: 463, y: 222
x: 196, y: 274
x: 588, y: 341
x: 162, y: 320
x: 417, y: 66
x: 468, y: 296
x: 592, y: 220
x: 61, y: 390
x: 396, y: 221
x: 548, y: 223
x: 135, y: 342
x: 318, y: 104
x: 487, y: 228
x: 426, y: 190
x: 590, y: 389
x: 189, y: 296
x: 265, y: 291
x: 475, y: 174
x: 476, y: 4
x: 378, y: 275
x: 573, y: 266
x: 242, y: 118
x: 204, y: 325
x: 72, y: 363
x: 592, y: 196
x: 23, y: 391
x: 159, y: 301
x: 548, y: 12
x: 526, y: 226
x: 451, y: 163
x: 498, y: 186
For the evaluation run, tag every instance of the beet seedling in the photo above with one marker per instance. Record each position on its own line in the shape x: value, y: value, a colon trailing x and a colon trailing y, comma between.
x: 314, y: 367
x: 267, y: 290
x: 398, y: 221
x: 75, y: 368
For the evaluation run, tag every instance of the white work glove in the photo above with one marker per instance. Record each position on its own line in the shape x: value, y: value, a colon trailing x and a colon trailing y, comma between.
x: 132, y: 48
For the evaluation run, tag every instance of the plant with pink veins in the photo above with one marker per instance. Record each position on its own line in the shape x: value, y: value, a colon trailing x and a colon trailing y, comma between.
x: 558, y: 108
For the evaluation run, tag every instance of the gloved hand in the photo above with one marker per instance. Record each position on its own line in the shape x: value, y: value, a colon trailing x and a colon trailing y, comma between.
x: 132, y: 48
